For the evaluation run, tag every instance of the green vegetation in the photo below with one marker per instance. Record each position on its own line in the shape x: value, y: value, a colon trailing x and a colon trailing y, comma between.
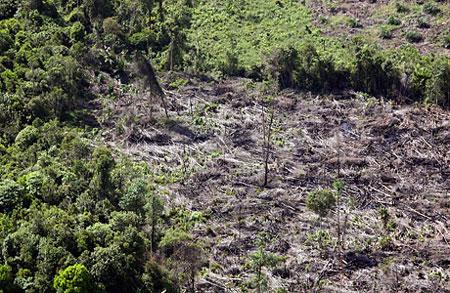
x: 76, y: 216
x: 261, y: 259
x: 431, y: 8
x: 392, y: 20
x: 413, y: 36
x: 321, y: 201
x: 386, y: 32
x: 68, y: 207
x: 74, y: 279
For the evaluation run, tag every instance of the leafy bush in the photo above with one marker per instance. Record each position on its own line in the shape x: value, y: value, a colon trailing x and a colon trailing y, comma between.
x: 373, y: 72
x: 28, y: 136
x: 320, y: 239
x: 315, y: 72
x: 386, y: 32
x: 6, y: 278
x: 438, y: 86
x: 8, y: 8
x: 401, y: 7
x: 413, y: 37
x: 135, y: 197
x: 354, y: 23
x: 392, y: 20
x: 321, y: 201
x: 431, y: 8
x: 423, y: 23
x: 143, y: 39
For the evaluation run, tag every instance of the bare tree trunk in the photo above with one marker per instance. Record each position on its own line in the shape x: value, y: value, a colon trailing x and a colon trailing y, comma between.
x: 267, y: 133
x: 145, y: 68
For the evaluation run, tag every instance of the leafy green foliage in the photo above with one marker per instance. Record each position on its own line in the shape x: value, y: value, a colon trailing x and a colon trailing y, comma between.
x: 74, y: 279
x: 321, y: 201
x: 438, y: 86
x: 446, y: 42
x: 392, y: 20
x: 61, y: 206
x: 320, y: 239
x: 6, y: 279
x: 386, y: 32
x: 413, y: 36
x: 10, y: 195
x: 262, y: 258
x: 233, y: 36
x: 431, y: 8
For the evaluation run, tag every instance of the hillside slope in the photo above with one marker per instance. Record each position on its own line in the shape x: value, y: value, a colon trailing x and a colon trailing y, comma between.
x: 393, y: 161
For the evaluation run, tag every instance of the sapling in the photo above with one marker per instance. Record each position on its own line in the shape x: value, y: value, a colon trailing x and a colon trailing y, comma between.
x: 263, y: 259
x: 321, y: 201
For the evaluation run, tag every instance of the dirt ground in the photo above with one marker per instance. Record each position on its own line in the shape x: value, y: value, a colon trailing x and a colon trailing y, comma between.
x: 388, y: 156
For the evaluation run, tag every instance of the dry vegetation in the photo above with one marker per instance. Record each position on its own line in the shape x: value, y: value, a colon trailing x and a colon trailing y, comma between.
x: 390, y: 228
x: 344, y: 18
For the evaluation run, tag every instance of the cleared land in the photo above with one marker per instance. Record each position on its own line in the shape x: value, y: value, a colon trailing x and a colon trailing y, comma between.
x: 394, y: 160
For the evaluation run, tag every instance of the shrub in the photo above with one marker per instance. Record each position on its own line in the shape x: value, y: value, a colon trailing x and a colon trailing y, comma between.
x: 414, y: 37
x: 6, y: 279
x: 401, y: 8
x: 314, y: 72
x: 373, y: 72
x: 392, y: 20
x: 5, y: 41
x: 8, y: 8
x: 142, y: 40
x: 385, y: 242
x: 135, y: 197
x: 354, y: 23
x: 438, y: 86
x: 280, y: 67
x: 431, y: 8
x: 321, y: 201
x: 385, y: 32
x: 320, y: 239
x: 422, y: 22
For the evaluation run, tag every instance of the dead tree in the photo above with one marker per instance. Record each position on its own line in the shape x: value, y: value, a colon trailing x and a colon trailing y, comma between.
x: 145, y: 69
x: 267, y: 141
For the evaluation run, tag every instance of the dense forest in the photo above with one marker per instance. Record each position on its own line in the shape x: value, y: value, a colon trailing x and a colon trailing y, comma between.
x: 224, y: 146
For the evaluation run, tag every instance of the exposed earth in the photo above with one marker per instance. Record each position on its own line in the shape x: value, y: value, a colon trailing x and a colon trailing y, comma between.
x: 391, y: 158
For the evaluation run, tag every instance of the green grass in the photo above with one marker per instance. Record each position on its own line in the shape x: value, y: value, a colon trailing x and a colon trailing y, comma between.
x: 240, y: 33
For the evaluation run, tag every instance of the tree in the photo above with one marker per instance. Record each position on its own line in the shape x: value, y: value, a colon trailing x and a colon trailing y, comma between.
x: 135, y: 197
x: 6, y: 279
x: 74, y: 279
x: 155, y: 208
x: 262, y: 258
x: 103, y: 165
x: 10, y: 195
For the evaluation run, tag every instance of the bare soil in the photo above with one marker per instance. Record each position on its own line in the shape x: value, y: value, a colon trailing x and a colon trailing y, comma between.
x: 388, y: 156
